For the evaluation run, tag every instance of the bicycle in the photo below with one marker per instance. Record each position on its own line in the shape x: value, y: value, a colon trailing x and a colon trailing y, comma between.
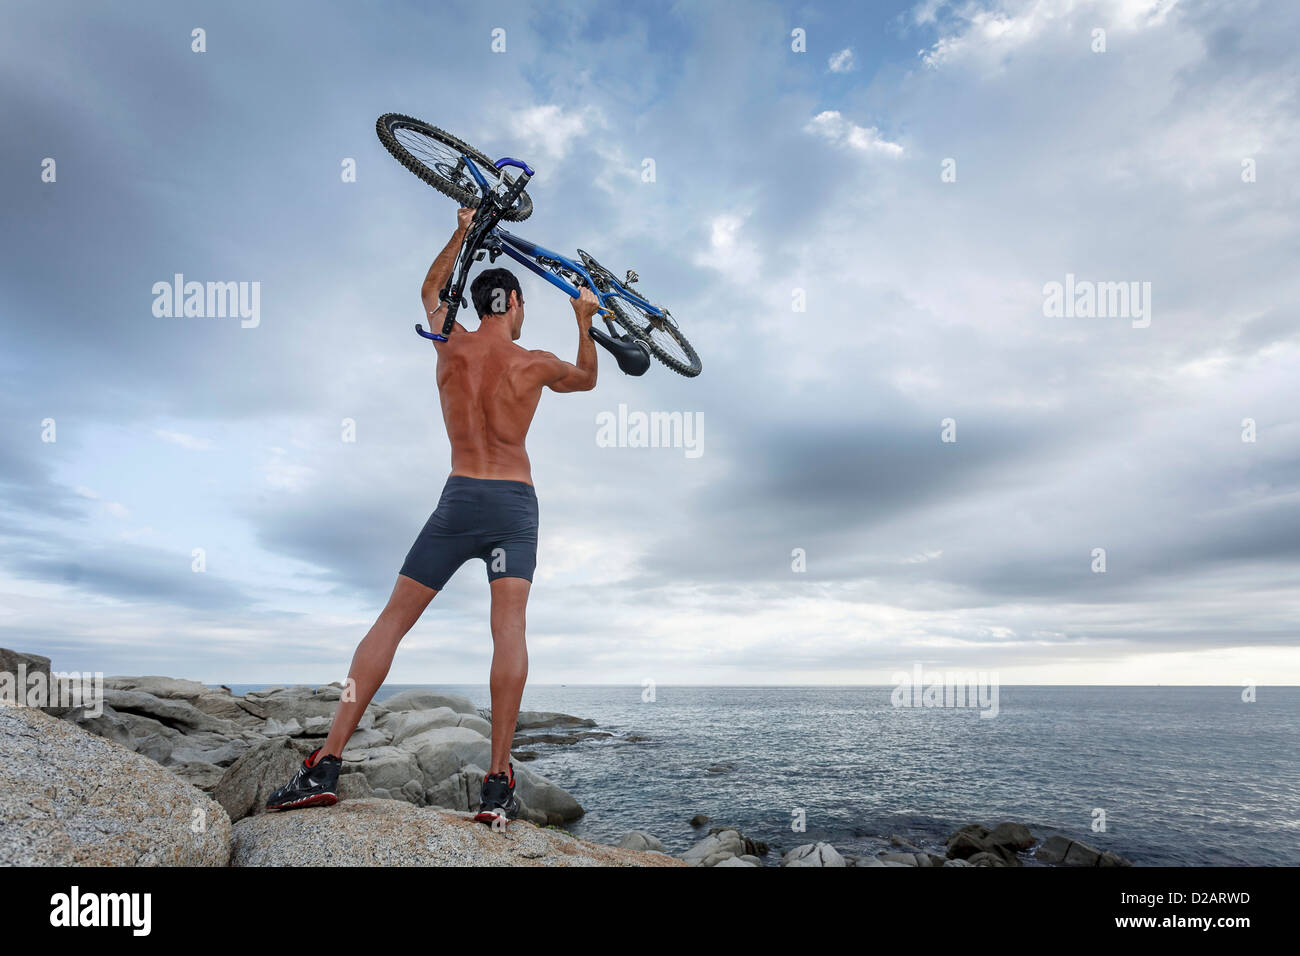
x: 465, y: 174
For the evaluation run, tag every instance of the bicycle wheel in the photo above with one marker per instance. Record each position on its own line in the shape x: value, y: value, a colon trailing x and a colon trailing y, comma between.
x: 435, y: 156
x: 659, y: 332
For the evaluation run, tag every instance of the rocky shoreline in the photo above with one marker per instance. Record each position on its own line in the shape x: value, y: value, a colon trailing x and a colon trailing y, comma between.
x: 173, y: 772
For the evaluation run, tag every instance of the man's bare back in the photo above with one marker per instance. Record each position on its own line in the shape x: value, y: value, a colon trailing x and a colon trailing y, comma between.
x: 489, y: 386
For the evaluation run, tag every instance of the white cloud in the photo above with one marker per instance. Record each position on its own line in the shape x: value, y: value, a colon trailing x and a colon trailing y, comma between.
x: 841, y: 62
x: 988, y: 32
x: 184, y: 440
x: 549, y: 130
x: 834, y: 128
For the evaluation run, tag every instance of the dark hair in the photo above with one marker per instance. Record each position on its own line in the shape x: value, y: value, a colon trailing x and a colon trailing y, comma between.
x: 491, y: 282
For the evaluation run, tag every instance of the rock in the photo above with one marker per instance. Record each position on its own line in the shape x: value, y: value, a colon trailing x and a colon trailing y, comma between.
x: 445, y: 751
x: 475, y: 723
x: 903, y: 844
x: 1011, y: 836
x: 171, y: 687
x: 739, y: 861
x: 179, y: 715
x: 538, y: 719
x: 428, y: 700
x: 752, y: 847
x: 973, y: 840
x: 815, y: 854
x: 206, y: 748
x: 442, y: 751
x: 390, y: 768
x: 907, y: 859
x: 968, y: 841
x: 285, y: 728
x: 1080, y: 854
x: 987, y: 858
x: 640, y: 840
x: 365, y: 740
x: 1062, y: 851
x: 715, y: 848
x: 109, y: 725
x: 698, y: 820
x: 541, y: 796
x: 1053, y: 849
x: 15, y: 665
x: 354, y: 786
x: 205, y: 776
x: 249, y: 782
x: 405, y: 724
x: 70, y: 798
x: 302, y: 702
x: 720, y: 768
x: 393, y: 833
x: 956, y: 862
x: 152, y: 738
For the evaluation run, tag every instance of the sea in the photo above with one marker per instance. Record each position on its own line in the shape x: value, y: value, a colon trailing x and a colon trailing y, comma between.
x: 1165, y: 776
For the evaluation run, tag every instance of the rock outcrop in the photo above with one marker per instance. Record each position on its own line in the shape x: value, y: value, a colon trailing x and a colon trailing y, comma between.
x: 395, y: 833
x: 70, y: 798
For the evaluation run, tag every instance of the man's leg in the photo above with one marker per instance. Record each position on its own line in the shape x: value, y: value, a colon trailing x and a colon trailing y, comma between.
x: 509, y: 664
x: 374, y: 656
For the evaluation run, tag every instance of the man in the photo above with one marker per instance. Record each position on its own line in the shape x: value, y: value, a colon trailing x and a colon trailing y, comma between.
x: 489, y: 388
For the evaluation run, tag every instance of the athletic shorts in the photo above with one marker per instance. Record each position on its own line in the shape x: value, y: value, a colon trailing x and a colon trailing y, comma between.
x: 484, y: 518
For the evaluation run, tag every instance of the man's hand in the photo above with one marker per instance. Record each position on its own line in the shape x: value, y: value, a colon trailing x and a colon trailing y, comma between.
x: 463, y: 218
x: 585, y: 306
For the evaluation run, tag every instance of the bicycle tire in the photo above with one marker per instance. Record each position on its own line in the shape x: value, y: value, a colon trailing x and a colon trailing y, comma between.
x: 643, y: 333
x: 386, y: 127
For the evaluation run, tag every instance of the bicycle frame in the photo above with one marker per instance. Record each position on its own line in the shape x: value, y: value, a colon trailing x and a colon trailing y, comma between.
x: 497, y: 241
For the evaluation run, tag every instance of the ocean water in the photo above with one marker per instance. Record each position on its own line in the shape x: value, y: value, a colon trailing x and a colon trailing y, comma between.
x: 1185, y: 775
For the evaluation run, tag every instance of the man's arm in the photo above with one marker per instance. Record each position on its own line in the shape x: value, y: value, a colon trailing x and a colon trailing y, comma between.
x: 561, y: 376
x: 440, y: 271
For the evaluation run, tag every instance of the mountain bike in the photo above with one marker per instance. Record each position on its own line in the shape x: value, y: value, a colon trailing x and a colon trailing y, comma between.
x: 637, y: 328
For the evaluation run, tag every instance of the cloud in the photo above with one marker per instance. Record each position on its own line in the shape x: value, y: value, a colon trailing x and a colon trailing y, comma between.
x: 841, y: 62
x: 988, y: 32
x: 184, y: 440
x: 833, y: 127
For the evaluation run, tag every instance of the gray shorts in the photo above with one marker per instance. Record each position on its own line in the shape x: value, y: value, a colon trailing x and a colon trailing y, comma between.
x: 487, y: 518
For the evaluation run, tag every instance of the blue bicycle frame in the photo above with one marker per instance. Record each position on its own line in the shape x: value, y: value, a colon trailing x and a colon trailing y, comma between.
x: 497, y: 241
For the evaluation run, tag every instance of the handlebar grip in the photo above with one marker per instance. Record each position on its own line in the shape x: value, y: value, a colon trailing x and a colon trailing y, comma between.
x: 516, y: 189
x: 452, y: 308
x: 508, y: 161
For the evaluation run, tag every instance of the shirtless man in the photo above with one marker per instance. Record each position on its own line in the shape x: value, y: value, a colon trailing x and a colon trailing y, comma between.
x: 489, y: 388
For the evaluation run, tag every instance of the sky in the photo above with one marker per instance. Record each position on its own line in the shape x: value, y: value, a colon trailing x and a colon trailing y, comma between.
x: 856, y: 214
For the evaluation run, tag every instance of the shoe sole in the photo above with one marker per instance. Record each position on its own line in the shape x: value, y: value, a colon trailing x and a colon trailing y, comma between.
x: 315, y: 800
x: 487, y: 816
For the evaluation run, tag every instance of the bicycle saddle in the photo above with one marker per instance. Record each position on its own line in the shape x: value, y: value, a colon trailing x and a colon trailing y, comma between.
x: 632, y: 356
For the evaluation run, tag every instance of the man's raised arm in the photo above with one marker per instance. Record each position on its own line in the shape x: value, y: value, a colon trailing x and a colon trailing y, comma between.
x: 440, y: 271
x: 561, y: 376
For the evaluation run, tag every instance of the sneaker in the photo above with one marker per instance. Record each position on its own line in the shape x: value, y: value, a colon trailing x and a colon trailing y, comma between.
x: 497, y: 798
x: 316, y: 784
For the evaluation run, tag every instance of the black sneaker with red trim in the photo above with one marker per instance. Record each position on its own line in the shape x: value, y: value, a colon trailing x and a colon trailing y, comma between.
x: 316, y: 784
x: 497, y: 800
